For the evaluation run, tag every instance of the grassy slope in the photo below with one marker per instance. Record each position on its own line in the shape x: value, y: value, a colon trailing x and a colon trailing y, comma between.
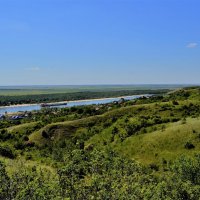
x: 151, y: 147
x: 66, y: 129
x: 13, y: 165
x: 22, y: 127
x: 146, y: 148
x: 158, y: 145
x: 167, y: 144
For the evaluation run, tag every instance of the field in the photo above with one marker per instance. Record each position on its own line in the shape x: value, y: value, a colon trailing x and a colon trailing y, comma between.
x: 38, y: 90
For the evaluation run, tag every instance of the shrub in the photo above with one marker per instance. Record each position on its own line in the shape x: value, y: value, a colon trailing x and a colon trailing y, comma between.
x: 28, y: 157
x: 193, y: 131
x: 19, y: 145
x: 44, y: 134
x: 175, y: 102
x: 30, y: 144
x: 143, y: 131
x: 188, y: 169
x: 25, y: 138
x: 115, y: 130
x: 4, y: 135
x: 153, y: 166
x: 6, y: 151
x: 189, y: 145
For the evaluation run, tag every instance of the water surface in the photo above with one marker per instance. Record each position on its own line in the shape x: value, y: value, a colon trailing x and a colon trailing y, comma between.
x: 23, y: 108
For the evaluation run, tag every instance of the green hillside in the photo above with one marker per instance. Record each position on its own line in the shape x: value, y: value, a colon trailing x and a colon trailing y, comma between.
x: 148, y: 148
x: 167, y: 144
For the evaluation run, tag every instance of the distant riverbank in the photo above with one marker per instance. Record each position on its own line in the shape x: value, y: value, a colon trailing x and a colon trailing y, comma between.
x: 32, y: 107
x: 60, y: 102
x: 77, y: 96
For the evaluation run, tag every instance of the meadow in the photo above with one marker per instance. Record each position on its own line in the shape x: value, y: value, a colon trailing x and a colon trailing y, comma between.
x: 38, y: 90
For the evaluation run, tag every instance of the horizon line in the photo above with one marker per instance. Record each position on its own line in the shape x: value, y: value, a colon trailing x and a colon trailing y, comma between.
x: 113, y: 84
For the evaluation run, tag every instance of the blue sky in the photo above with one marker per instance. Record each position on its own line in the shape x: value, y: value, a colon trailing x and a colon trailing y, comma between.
x: 99, y: 41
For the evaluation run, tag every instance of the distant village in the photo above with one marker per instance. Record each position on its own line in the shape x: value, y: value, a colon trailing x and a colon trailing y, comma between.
x: 14, y: 116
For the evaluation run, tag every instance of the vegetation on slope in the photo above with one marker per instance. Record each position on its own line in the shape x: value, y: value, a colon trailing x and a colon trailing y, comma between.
x: 142, y: 149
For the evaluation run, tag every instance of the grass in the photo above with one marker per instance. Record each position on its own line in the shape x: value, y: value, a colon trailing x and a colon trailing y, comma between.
x: 168, y: 144
x: 67, y: 129
x: 37, y: 90
x: 156, y: 146
x: 17, y: 164
x: 22, y: 127
x: 60, y: 130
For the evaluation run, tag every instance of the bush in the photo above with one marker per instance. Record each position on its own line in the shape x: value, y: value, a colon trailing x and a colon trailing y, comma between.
x: 188, y: 169
x: 6, y: 151
x: 25, y: 138
x: 153, y: 166
x: 44, y: 134
x: 189, y: 145
x: 19, y: 145
x: 4, y: 135
x: 28, y: 157
x: 175, y: 102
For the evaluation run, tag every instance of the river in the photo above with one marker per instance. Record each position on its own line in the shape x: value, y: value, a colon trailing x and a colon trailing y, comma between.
x: 34, y: 107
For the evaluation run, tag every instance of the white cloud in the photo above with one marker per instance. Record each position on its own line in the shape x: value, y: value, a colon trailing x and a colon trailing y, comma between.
x: 33, y: 69
x: 192, y: 45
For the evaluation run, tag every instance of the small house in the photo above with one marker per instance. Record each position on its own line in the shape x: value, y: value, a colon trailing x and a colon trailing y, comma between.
x: 2, y: 117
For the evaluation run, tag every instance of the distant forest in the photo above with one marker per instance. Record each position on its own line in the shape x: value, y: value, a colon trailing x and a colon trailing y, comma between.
x: 46, y: 98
